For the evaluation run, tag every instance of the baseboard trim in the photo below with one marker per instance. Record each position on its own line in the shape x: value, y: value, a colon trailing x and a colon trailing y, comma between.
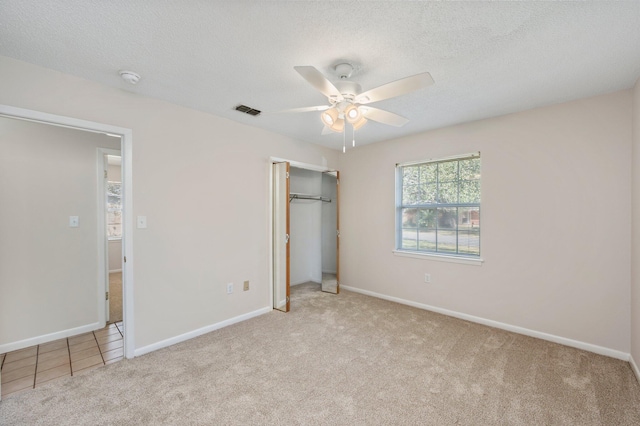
x: 634, y: 367
x: 38, y: 340
x: 491, y: 323
x: 200, y: 331
x: 115, y: 270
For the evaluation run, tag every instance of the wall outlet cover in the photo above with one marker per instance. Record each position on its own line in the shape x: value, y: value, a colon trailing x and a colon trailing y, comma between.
x: 229, y: 288
x: 246, y: 285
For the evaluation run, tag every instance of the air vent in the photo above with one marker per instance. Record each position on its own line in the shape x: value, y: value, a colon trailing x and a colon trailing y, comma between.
x: 248, y: 110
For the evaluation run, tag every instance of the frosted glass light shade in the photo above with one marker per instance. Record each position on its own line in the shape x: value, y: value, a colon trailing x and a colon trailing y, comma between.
x: 359, y: 123
x: 329, y: 117
x: 352, y: 114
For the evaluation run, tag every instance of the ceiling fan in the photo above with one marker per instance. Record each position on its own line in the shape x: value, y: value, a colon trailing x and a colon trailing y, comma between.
x: 348, y: 103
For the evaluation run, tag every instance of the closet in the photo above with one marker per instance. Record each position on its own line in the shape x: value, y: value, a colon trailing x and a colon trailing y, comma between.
x: 305, y: 231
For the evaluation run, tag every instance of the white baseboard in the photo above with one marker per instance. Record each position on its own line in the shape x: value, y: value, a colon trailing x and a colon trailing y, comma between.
x: 491, y: 323
x: 200, y: 331
x: 634, y: 367
x: 38, y: 340
x: 115, y: 270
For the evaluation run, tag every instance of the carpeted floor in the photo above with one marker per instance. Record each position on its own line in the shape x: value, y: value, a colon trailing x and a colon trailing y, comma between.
x: 344, y: 359
x: 115, y: 297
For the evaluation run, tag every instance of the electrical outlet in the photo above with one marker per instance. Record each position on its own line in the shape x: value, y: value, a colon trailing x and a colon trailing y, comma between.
x: 246, y: 285
x: 229, y: 288
x: 427, y: 278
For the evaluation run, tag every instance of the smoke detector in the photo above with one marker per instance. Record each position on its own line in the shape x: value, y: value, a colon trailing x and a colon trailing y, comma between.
x: 130, y: 76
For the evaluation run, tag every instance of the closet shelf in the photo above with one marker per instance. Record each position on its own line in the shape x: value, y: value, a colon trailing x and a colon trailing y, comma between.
x: 296, y: 196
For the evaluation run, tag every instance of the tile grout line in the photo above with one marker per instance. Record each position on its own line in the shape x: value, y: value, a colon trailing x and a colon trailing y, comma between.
x: 35, y: 372
x: 119, y: 331
x: 99, y: 349
x: 69, y: 351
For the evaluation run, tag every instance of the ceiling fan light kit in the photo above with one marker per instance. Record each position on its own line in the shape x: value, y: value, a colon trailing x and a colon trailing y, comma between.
x: 345, y: 98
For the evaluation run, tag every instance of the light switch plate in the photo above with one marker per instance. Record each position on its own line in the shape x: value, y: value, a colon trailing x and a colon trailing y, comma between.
x: 142, y: 222
x: 74, y: 221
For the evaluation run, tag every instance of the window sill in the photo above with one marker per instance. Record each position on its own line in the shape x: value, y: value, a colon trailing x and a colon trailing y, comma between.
x: 439, y: 257
x: 114, y: 238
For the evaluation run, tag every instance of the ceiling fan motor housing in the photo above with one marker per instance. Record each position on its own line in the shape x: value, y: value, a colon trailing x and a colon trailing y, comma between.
x: 348, y: 89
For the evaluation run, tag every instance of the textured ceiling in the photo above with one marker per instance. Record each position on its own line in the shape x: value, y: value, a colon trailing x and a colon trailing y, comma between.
x: 486, y: 58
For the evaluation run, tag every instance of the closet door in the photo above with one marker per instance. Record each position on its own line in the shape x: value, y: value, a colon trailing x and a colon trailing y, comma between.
x: 281, y: 246
x: 331, y: 233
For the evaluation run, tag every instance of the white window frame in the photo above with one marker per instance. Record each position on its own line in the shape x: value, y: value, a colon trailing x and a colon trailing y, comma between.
x: 435, y: 255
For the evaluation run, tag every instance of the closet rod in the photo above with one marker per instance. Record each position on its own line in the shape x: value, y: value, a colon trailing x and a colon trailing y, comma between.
x: 293, y: 196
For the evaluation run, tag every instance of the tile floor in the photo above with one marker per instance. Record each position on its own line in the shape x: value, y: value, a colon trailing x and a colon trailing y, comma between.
x: 30, y: 367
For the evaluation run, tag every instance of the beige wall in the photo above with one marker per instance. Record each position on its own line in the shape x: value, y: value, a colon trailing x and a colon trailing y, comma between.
x: 207, y: 218
x: 556, y: 185
x: 48, y: 271
x: 635, y: 250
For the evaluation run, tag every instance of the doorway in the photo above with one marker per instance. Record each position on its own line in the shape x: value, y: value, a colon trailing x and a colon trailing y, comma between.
x: 305, y: 230
x: 112, y: 165
x: 125, y: 145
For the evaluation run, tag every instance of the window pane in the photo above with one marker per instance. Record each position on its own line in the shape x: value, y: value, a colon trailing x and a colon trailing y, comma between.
x: 114, y: 217
x: 427, y: 239
x: 468, y: 217
x: 410, y: 218
x: 409, y: 194
x: 410, y: 229
x: 410, y: 175
x: 447, y: 240
x: 409, y: 238
x: 470, y: 191
x: 427, y: 193
x: 470, y: 169
x: 447, y: 218
x: 448, y: 172
x: 428, y: 173
x: 427, y: 219
x: 448, y: 192
x: 469, y: 242
x: 114, y: 202
x: 114, y: 188
x: 114, y: 231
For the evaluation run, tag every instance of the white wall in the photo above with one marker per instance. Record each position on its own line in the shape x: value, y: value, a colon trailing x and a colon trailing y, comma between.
x: 329, y: 224
x: 208, y: 218
x: 635, y: 248
x: 305, y: 227
x: 48, y: 271
x: 556, y: 184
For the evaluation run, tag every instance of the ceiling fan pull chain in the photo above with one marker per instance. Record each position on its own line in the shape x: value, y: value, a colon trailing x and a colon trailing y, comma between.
x: 354, y: 136
x: 344, y: 138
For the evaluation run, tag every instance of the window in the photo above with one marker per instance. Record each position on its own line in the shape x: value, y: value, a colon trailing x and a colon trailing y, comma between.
x: 438, y: 206
x: 114, y: 210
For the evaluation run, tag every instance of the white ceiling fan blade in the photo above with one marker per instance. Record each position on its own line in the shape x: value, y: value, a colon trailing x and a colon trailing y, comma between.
x: 306, y: 109
x: 384, y: 117
x: 326, y: 131
x: 395, y: 88
x: 319, y: 81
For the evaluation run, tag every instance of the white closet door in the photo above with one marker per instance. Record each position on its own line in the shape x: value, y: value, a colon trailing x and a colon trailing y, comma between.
x: 281, y: 246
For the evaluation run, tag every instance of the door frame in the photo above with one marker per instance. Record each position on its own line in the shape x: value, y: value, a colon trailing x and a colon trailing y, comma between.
x: 126, y: 152
x: 298, y: 165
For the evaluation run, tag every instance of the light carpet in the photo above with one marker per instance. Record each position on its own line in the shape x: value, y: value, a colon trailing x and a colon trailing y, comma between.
x: 345, y: 359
